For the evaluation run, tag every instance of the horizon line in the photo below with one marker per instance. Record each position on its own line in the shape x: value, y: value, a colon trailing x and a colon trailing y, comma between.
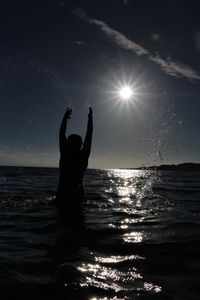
x: 97, y: 168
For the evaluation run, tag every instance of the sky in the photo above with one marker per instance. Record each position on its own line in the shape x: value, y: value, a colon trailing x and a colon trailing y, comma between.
x: 55, y: 54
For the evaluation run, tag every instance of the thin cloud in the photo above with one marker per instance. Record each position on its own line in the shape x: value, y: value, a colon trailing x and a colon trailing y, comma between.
x: 168, y: 66
x: 119, y: 38
x: 175, y: 69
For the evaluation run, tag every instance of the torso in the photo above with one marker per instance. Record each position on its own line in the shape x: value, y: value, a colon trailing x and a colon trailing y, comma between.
x: 70, y: 188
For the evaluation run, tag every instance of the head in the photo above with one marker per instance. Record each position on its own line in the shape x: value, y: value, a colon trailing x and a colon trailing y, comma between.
x: 74, y: 142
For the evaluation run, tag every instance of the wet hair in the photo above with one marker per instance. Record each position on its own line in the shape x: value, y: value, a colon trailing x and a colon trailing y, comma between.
x: 74, y: 142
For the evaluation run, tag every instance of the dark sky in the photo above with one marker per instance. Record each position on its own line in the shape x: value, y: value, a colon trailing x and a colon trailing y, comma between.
x: 59, y: 53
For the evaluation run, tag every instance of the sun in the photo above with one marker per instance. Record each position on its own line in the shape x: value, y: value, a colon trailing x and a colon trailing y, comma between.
x: 126, y: 92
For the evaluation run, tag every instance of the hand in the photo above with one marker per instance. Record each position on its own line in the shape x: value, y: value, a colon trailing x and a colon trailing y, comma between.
x: 68, y: 113
x: 90, y: 112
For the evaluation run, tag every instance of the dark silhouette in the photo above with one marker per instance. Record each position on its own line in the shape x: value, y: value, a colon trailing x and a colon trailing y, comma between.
x: 74, y: 156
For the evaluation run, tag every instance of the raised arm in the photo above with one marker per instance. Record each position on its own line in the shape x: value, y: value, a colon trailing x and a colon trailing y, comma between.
x: 63, y: 126
x: 88, y: 138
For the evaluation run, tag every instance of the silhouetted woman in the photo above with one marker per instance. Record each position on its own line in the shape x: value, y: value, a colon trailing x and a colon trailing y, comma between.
x: 74, y: 156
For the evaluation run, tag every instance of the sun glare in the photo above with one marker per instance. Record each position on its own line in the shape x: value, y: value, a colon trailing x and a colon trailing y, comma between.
x: 126, y: 92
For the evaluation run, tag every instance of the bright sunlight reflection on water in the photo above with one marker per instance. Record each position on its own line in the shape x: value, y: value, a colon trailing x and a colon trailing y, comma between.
x: 128, y: 194
x: 131, y: 188
x: 110, y: 278
x: 133, y: 237
x: 107, y: 277
x: 117, y: 259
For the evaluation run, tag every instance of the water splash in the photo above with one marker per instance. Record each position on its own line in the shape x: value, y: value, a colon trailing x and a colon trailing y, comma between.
x: 161, y: 120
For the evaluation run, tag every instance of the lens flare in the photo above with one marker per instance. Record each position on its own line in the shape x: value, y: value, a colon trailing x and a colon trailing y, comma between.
x: 126, y: 92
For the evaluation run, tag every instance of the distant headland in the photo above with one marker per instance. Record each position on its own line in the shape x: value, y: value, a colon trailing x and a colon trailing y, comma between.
x: 180, y: 167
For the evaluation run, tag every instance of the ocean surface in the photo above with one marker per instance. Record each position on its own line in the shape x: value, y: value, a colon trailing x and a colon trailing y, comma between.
x: 142, y: 239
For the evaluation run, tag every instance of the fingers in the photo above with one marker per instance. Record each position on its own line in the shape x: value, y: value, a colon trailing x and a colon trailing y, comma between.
x: 68, y: 113
x: 69, y: 110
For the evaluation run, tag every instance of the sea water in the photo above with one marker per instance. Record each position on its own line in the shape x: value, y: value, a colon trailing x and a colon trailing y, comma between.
x: 142, y: 239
